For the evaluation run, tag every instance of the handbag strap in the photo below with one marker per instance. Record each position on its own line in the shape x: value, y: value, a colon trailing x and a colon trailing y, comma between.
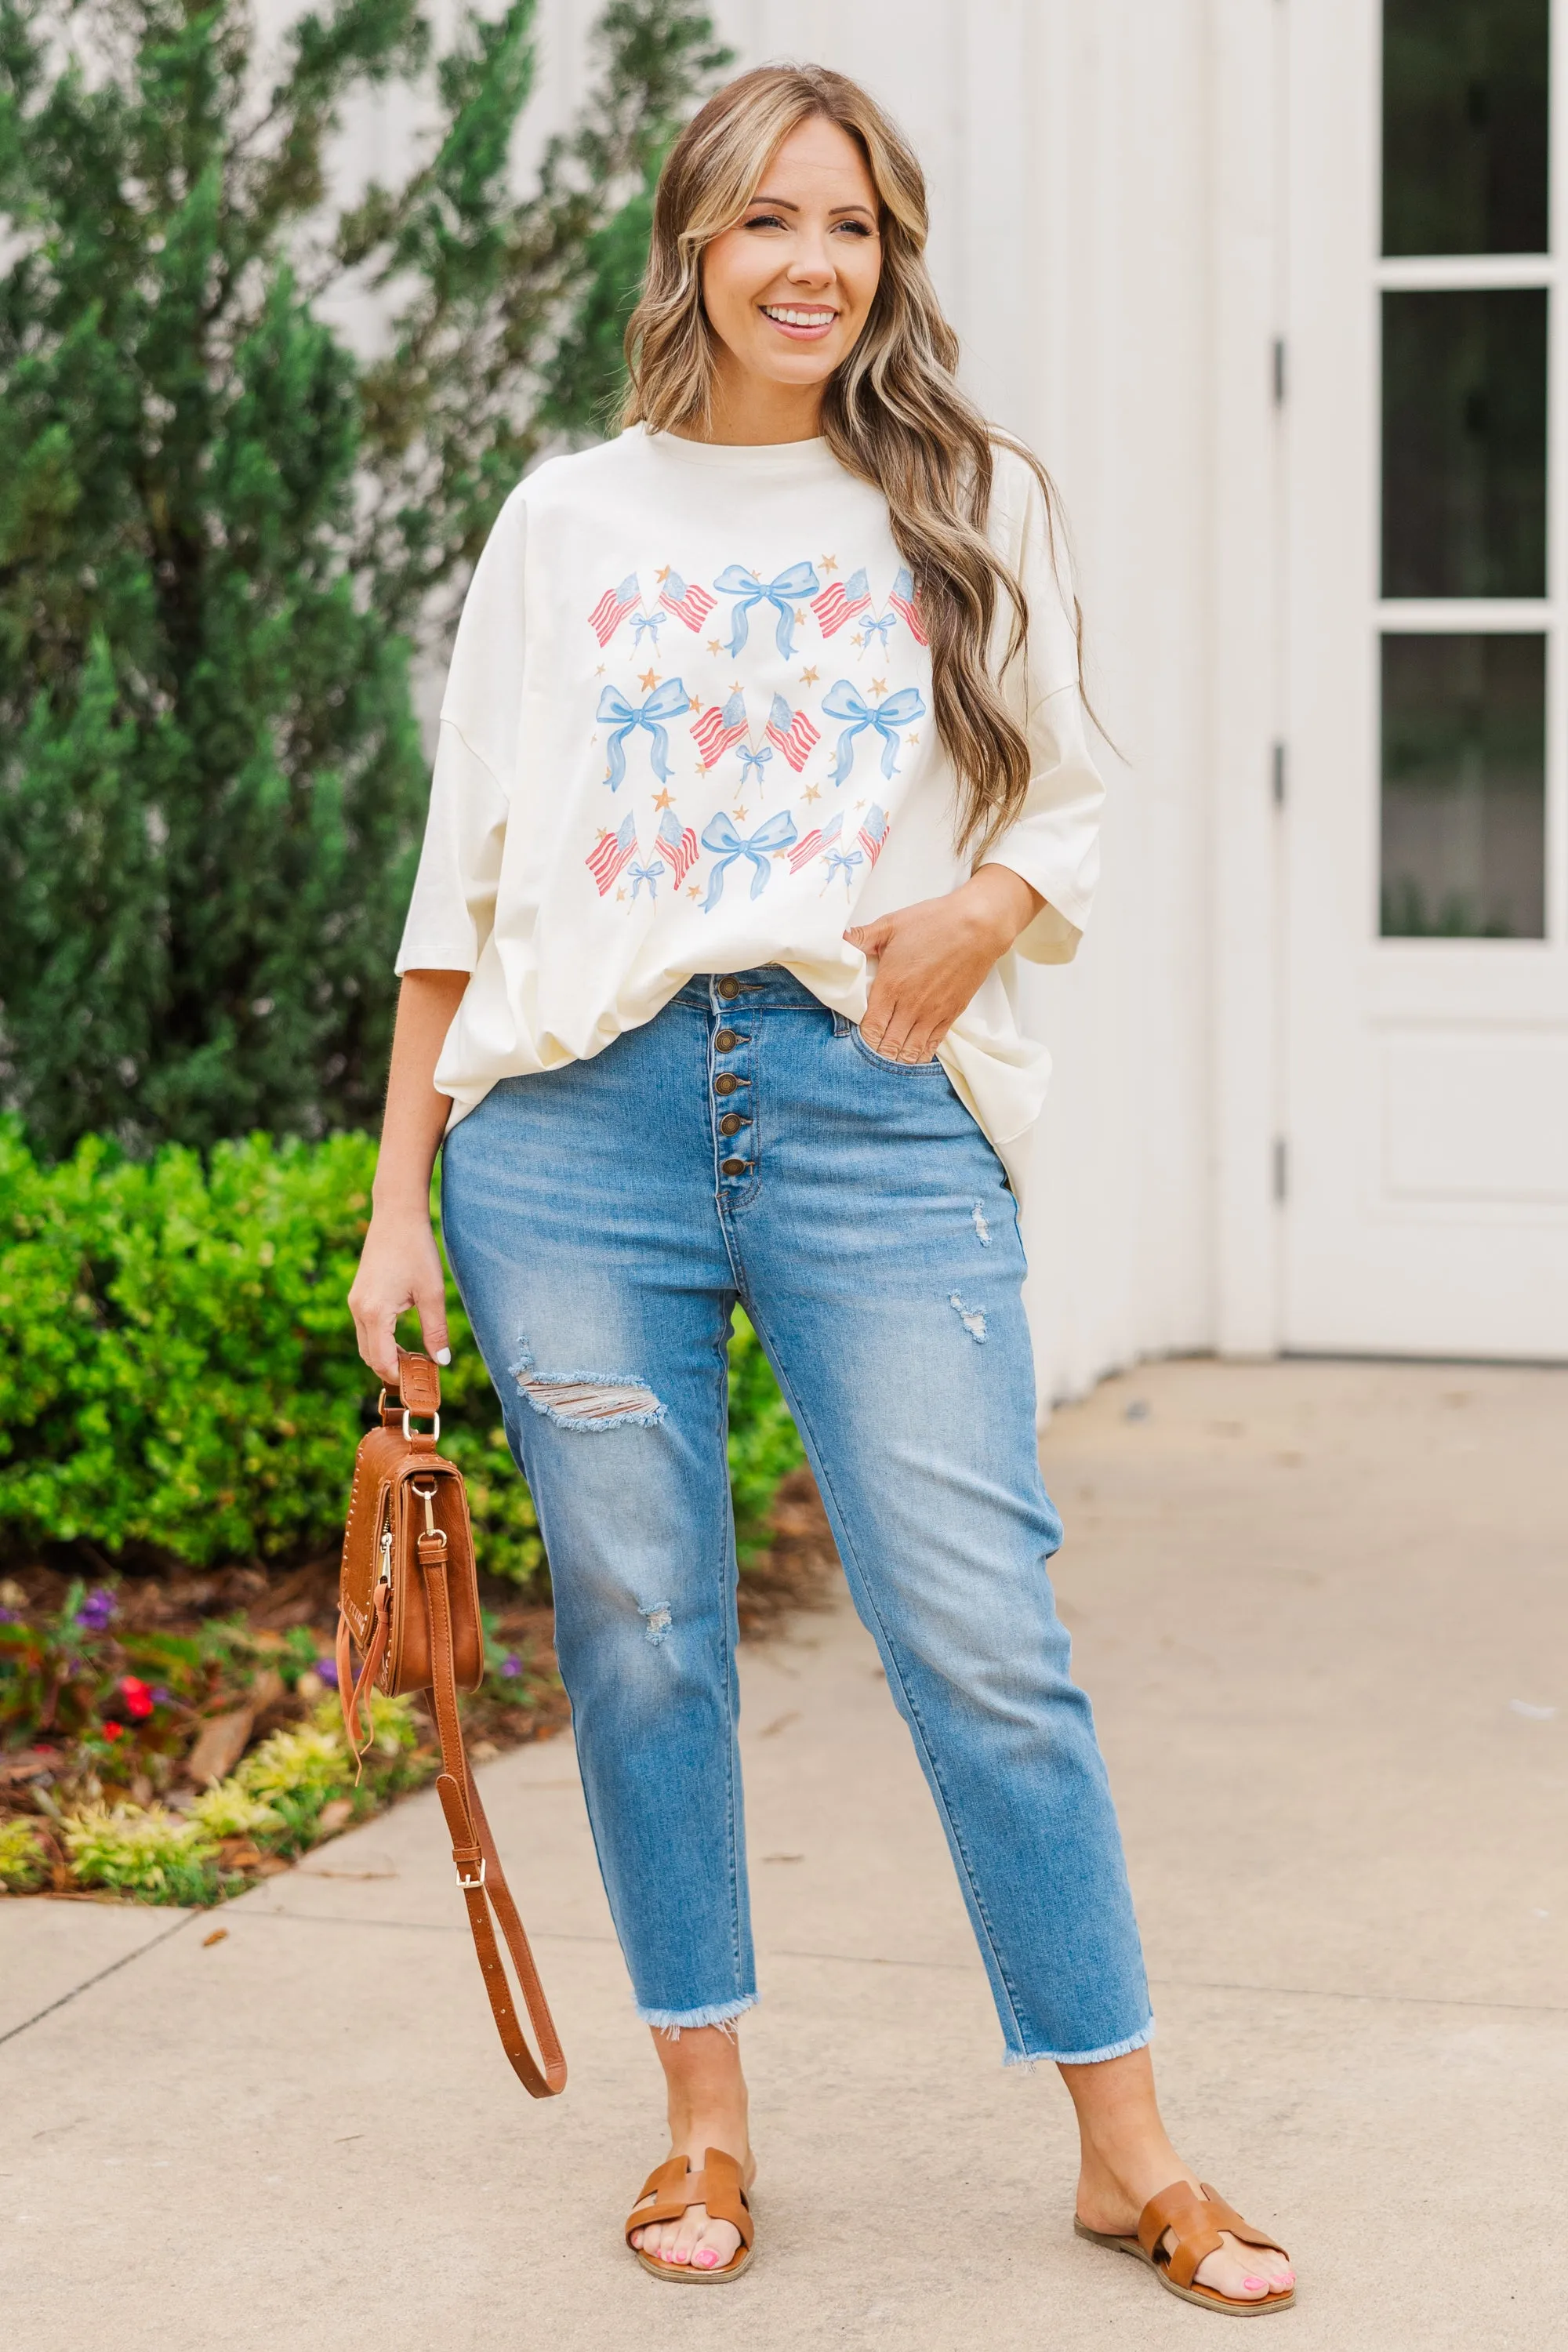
x: 476, y: 1861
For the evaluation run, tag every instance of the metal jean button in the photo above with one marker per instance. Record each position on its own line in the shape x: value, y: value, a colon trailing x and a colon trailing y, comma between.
x: 725, y: 1083
x: 731, y: 1167
x: 729, y: 990
x: 727, y: 1041
x: 731, y: 1123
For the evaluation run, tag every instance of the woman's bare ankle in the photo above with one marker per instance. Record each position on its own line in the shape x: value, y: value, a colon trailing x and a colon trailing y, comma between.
x: 706, y: 2090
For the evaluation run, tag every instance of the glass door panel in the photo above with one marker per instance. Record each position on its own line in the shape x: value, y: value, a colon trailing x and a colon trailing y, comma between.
x: 1464, y: 442
x: 1465, y: 126
x: 1464, y: 787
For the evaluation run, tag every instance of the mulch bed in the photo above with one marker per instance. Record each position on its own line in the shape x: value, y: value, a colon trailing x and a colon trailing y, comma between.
x: 797, y: 1570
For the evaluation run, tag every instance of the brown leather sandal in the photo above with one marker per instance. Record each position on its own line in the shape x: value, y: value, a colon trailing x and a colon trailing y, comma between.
x: 673, y: 2186
x: 1197, y: 2222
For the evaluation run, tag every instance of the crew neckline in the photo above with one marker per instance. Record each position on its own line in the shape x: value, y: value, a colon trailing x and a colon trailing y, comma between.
x: 773, y: 457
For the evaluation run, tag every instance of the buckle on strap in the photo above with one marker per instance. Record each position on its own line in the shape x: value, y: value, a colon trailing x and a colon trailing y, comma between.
x: 477, y: 1880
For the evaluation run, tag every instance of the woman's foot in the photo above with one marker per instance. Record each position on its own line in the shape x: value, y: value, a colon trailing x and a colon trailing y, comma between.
x: 1126, y: 2159
x: 707, y: 2109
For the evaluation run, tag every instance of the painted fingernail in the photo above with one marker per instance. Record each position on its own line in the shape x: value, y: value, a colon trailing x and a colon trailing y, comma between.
x: 443, y: 1355
x: 707, y: 2256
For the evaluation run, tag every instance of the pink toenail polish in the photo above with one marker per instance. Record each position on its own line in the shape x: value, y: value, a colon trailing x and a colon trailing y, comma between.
x: 707, y: 2256
x: 1254, y: 2284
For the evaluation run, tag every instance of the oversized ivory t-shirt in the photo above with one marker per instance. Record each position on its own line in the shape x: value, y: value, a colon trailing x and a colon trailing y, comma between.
x: 688, y: 728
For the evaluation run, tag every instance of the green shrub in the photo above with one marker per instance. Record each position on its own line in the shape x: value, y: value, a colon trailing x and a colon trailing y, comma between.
x: 178, y: 1375
x: 141, y: 1850
x: 22, y: 1863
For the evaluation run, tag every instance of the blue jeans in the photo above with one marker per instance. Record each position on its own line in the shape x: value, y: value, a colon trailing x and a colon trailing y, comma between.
x: 603, y: 1218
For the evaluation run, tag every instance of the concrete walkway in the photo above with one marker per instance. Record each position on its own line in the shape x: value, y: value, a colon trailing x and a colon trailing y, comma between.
x: 1321, y: 1609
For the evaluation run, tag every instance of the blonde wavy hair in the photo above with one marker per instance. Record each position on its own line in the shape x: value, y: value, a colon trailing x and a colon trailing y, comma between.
x: 892, y: 413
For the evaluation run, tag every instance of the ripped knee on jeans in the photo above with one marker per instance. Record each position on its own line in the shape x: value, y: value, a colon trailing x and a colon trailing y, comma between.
x: 588, y: 1401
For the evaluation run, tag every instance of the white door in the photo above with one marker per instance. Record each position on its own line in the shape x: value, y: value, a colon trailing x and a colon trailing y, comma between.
x: 1424, y: 1156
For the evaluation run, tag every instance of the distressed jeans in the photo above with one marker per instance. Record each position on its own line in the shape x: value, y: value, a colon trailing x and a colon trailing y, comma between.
x: 603, y: 1218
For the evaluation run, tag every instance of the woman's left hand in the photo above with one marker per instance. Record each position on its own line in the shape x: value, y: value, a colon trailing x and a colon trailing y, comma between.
x: 931, y: 957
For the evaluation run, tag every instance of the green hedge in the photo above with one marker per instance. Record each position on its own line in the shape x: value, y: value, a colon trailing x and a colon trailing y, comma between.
x: 178, y: 1377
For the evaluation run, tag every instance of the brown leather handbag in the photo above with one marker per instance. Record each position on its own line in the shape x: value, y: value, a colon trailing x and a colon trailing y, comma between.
x: 408, y: 1600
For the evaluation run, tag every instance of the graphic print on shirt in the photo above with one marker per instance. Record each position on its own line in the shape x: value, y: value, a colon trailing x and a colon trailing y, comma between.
x: 844, y: 701
x: 690, y: 605
x: 840, y: 601
x: 722, y: 723
x: 614, y: 853
x: 720, y: 836
x: 662, y: 704
x: 725, y: 727
x: 783, y: 592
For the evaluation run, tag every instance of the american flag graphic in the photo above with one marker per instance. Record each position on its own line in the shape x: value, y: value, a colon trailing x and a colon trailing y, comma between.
x: 814, y: 844
x: 691, y: 605
x: 902, y: 597
x: 792, y: 731
x: 611, y: 853
x: 612, y: 607
x: 840, y: 601
x: 679, y: 843
x: 718, y: 728
x: 873, y: 833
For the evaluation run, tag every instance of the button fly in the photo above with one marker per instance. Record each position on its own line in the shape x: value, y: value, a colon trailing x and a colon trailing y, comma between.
x: 731, y: 1123
x: 731, y: 1167
x: 727, y: 1041
x: 725, y: 1083
x: 729, y: 990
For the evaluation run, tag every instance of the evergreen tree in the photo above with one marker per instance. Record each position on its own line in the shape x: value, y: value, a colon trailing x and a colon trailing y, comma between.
x: 222, y: 534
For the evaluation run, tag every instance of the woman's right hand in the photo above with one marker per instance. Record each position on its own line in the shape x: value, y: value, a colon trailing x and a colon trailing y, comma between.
x: 399, y: 1268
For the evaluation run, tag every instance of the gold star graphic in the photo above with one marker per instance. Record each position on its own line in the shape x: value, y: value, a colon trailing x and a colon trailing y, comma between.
x: 694, y: 702
x: 662, y: 576
x: 878, y: 685
x: 912, y: 739
x: 661, y: 800
x: 603, y: 833
x: 740, y: 816
x: 620, y: 896
x: 714, y: 647
x: 800, y: 613
x: 808, y: 677
x: 859, y: 805
x: 693, y: 890
x: 814, y: 794
x: 649, y: 680
x: 600, y: 671
x: 856, y: 641
x: 830, y: 564
x: 736, y: 687
x: 757, y: 576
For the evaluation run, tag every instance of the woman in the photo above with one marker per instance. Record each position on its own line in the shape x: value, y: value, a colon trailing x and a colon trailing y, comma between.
x: 762, y: 755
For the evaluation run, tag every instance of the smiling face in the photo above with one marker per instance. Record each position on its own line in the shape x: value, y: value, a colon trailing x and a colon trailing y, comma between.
x: 788, y: 290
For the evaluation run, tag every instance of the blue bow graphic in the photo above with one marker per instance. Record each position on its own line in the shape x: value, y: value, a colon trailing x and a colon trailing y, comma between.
x: 648, y: 873
x: 842, y: 701
x: 647, y: 624
x: 878, y: 629
x: 720, y: 836
x: 757, y: 759
x: 845, y: 861
x: 783, y: 593
x: 667, y: 701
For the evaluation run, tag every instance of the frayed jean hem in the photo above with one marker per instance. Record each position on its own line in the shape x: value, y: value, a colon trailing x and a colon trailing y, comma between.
x: 721, y: 2012
x: 1081, y: 2057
